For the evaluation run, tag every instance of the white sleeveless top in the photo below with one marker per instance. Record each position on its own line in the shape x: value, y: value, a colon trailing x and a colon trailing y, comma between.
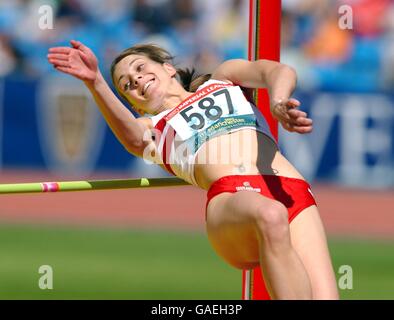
x: 216, y: 108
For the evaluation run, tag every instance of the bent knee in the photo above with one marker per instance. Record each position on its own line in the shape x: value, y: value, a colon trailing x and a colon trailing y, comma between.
x: 273, y: 214
x: 271, y: 221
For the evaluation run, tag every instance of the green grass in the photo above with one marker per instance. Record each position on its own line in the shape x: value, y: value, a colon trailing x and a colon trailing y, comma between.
x: 113, y: 264
x: 372, y: 264
x: 128, y: 264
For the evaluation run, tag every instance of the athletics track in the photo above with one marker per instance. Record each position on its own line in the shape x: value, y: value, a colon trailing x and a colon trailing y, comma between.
x: 345, y: 211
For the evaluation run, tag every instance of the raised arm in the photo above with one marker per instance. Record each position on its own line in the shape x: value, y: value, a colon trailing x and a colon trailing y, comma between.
x: 80, y: 62
x: 279, y: 79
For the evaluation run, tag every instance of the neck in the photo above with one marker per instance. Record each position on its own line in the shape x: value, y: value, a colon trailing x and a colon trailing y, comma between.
x: 175, y: 95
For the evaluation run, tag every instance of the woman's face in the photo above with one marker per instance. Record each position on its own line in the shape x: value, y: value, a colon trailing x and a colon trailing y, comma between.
x: 143, y: 82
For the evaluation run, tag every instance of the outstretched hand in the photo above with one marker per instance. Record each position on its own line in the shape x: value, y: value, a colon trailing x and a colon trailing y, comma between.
x: 77, y: 60
x: 291, y: 119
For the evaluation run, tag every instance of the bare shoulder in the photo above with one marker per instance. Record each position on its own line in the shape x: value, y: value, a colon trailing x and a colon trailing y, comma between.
x: 225, y: 70
x: 146, y: 122
x: 248, y: 74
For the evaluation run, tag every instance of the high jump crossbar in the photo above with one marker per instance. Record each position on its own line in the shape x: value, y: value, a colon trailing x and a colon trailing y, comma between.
x: 92, y: 185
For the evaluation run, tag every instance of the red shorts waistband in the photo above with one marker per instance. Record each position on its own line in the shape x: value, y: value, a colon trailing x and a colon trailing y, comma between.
x: 295, y: 194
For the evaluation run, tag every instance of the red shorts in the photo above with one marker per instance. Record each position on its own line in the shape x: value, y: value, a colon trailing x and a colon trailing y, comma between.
x: 295, y: 194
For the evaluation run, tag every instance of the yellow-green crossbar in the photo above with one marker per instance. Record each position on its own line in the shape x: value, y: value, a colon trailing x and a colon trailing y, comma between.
x: 66, y: 186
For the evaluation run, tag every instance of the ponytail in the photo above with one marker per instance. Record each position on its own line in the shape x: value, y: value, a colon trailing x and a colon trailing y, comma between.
x: 190, y: 80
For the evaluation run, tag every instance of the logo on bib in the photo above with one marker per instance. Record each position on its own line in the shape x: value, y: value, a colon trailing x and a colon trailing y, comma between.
x: 247, y: 187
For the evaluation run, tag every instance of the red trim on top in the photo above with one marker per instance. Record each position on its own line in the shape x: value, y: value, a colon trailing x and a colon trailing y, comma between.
x: 160, y: 125
x: 168, y: 139
x: 196, y: 96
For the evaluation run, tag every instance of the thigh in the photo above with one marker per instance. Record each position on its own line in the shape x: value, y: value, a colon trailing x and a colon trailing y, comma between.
x: 231, y: 226
x: 309, y: 240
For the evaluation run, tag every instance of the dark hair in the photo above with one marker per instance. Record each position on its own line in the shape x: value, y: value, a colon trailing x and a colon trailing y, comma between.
x: 189, y: 78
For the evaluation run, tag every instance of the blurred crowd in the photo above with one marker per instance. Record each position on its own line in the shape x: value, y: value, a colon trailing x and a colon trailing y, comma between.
x: 203, y: 33
x: 328, y: 56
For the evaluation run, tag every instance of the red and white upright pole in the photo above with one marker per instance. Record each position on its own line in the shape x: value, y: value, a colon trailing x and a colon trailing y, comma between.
x: 264, y: 43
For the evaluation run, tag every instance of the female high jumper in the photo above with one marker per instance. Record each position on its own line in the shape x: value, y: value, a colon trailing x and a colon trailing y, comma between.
x: 260, y: 211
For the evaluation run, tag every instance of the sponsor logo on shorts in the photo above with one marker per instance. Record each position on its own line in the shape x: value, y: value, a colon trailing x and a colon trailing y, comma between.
x: 247, y: 187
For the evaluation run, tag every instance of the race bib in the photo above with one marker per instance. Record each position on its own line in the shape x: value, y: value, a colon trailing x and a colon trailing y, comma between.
x: 216, y: 107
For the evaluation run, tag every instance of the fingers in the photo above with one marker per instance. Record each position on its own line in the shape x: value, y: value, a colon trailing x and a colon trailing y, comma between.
x: 85, y: 53
x: 299, y: 117
x: 60, y: 50
x: 57, y: 56
x: 60, y: 63
x: 68, y: 50
x: 287, y: 126
x: 63, y: 58
x: 84, y: 58
x: 293, y: 103
x: 75, y: 43
x: 296, y: 113
x: 59, y: 59
x: 302, y: 129
x: 303, y: 122
x: 300, y: 125
x: 79, y: 45
x: 292, y: 119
